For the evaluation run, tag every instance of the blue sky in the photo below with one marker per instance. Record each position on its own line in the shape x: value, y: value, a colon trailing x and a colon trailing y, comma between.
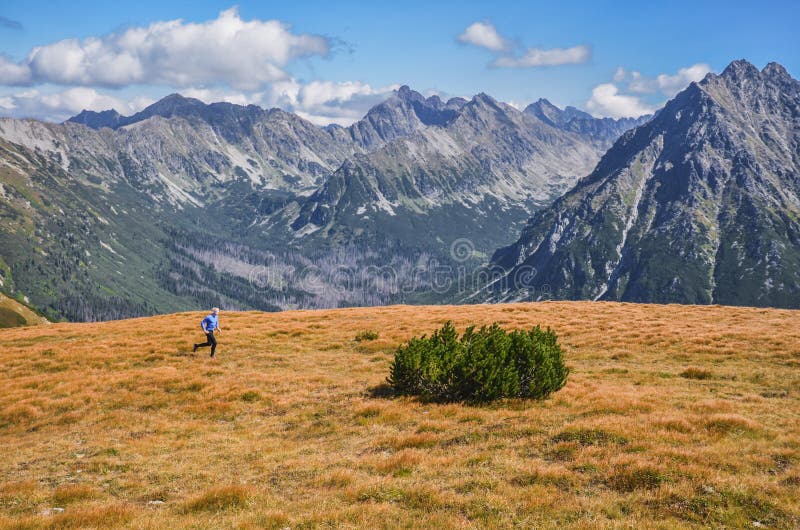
x: 329, y: 61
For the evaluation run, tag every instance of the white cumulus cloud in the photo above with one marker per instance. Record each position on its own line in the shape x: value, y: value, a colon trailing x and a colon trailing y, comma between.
x: 211, y: 95
x: 243, y: 54
x: 609, y: 99
x: 484, y: 35
x: 534, y: 57
x: 667, y: 84
x: 58, y: 106
x: 320, y: 102
x: 606, y: 101
x: 12, y: 73
x: 672, y: 84
x: 223, y: 59
x: 326, y: 102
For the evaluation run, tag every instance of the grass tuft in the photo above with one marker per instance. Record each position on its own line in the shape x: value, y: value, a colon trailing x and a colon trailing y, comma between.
x: 628, y: 479
x: 92, y: 517
x: 588, y: 437
x: 220, y: 499
x: 250, y: 396
x: 731, y: 424
x: 695, y: 372
x: 73, y: 493
x: 366, y: 335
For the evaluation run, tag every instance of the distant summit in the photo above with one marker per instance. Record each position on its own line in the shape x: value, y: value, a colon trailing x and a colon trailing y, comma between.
x: 401, y: 114
x: 604, y: 130
x: 547, y: 112
x: 98, y: 120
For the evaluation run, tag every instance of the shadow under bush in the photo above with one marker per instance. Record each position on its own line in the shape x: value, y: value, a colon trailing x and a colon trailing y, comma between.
x: 482, y: 365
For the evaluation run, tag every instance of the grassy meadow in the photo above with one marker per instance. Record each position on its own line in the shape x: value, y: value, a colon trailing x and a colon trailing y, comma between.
x: 672, y: 417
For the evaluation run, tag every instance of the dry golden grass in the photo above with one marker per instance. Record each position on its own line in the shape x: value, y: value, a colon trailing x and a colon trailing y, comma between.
x: 673, y: 416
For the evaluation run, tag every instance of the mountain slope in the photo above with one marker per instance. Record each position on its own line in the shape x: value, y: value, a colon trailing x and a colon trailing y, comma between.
x: 77, y: 249
x: 14, y: 314
x: 84, y: 248
x: 700, y: 205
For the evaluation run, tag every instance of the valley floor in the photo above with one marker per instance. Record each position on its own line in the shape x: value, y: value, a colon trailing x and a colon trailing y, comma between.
x: 673, y: 416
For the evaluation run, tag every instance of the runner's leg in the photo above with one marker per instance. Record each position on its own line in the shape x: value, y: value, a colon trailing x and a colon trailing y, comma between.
x: 207, y: 343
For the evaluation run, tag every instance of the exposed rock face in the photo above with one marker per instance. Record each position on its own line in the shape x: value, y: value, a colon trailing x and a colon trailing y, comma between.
x: 699, y: 205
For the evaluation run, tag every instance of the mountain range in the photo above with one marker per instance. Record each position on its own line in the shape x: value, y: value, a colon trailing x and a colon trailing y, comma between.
x: 699, y: 205
x: 187, y: 203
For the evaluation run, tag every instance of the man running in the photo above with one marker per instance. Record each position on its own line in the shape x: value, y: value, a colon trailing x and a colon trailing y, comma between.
x: 209, y: 325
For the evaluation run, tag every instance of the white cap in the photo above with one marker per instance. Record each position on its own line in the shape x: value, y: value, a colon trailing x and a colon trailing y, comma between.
x: 215, y: 310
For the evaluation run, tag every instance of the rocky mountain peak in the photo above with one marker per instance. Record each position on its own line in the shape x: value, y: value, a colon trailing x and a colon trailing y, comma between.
x: 456, y: 103
x: 739, y: 71
x: 700, y: 205
x: 544, y: 104
x: 407, y: 96
x: 169, y: 106
x: 435, y: 101
x: 776, y: 70
x: 405, y: 92
x: 483, y: 99
x: 545, y: 111
x: 603, y: 130
x: 172, y: 100
x: 97, y: 120
x: 405, y: 112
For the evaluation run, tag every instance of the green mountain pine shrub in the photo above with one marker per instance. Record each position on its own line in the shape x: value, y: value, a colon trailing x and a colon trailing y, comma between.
x: 482, y: 365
